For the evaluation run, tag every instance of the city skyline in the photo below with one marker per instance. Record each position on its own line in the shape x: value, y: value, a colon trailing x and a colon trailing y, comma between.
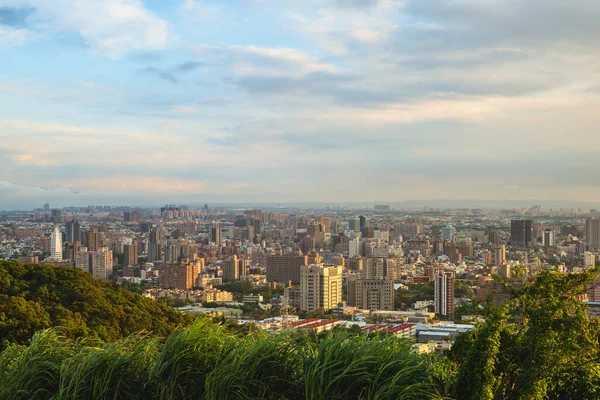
x: 256, y: 101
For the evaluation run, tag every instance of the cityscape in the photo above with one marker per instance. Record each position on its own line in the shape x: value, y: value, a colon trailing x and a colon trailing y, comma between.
x: 299, y: 200
x: 374, y: 267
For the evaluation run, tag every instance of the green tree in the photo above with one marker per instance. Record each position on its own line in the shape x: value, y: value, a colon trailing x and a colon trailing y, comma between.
x: 540, y: 344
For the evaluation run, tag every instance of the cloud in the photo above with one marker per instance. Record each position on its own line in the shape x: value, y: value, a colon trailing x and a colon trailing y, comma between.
x: 188, y: 66
x: 172, y: 74
x: 14, y: 17
x: 165, y: 75
x: 10, y: 37
x: 110, y: 27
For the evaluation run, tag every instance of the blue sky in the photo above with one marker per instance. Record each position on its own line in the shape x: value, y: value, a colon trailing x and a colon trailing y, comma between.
x: 147, y: 102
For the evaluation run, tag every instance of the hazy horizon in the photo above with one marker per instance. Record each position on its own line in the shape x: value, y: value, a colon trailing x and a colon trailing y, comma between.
x: 262, y: 101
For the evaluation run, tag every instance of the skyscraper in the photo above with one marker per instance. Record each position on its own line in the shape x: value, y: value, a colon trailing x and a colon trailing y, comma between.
x: 592, y: 233
x: 493, y: 237
x: 354, y: 248
x: 181, y: 275
x: 155, y: 250
x: 521, y: 232
x: 130, y: 254
x: 285, y: 267
x: 448, y: 232
x: 443, y: 283
x: 320, y: 287
x: 354, y: 224
x: 56, y: 244
x: 94, y: 240
x: 215, y: 234
x: 73, y: 231
x: 230, y: 269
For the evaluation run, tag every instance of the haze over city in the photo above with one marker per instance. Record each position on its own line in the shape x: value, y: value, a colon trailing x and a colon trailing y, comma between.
x: 147, y: 102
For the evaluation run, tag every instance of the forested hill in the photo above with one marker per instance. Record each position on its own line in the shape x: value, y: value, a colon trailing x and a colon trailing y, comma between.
x: 35, y: 297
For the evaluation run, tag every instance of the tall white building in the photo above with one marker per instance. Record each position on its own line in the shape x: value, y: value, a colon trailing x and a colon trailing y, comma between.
x: 320, y: 287
x: 56, y: 244
x: 354, y: 247
x: 548, y: 238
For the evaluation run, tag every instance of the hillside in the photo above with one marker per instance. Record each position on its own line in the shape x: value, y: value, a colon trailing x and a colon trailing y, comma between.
x: 35, y: 297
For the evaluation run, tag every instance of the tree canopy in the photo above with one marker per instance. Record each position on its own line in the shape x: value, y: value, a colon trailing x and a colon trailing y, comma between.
x: 35, y: 297
x: 540, y: 344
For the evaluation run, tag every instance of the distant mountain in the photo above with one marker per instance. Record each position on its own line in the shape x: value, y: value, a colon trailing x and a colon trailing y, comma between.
x: 35, y: 297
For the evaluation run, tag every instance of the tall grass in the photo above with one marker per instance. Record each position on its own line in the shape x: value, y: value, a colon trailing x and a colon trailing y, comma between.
x: 205, y: 361
x: 358, y: 367
x: 262, y: 366
x: 119, y: 370
x: 187, y: 357
x: 33, y: 372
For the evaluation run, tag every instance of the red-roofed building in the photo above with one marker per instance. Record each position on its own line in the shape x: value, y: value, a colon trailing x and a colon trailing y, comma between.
x: 403, y: 330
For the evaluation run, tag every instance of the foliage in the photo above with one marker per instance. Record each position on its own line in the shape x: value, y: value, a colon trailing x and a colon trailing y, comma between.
x: 539, y: 345
x: 204, y: 361
x: 35, y: 297
x: 346, y: 366
x: 416, y: 292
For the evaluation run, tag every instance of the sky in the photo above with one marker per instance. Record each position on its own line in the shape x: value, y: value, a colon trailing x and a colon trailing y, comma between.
x: 149, y: 102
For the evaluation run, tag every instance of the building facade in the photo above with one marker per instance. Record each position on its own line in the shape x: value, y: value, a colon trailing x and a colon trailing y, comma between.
x: 320, y: 287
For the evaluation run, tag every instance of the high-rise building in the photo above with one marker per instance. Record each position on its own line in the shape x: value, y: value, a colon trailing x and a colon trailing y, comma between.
x: 73, y: 231
x: 326, y: 223
x: 181, y: 275
x: 285, y: 267
x: 354, y: 247
x: 592, y: 233
x: 320, y: 287
x: 589, y: 260
x: 215, y: 234
x: 548, y: 238
x: 443, y: 292
x: 155, y: 249
x: 131, y: 217
x: 379, y: 268
x: 499, y: 254
x: 448, y: 232
x: 130, y: 254
x: 521, y: 232
x: 355, y: 263
x: 230, y: 268
x: 493, y: 237
x: 101, y: 263
x: 82, y: 260
x: 354, y: 224
x: 56, y: 244
x: 94, y: 241
x: 370, y: 294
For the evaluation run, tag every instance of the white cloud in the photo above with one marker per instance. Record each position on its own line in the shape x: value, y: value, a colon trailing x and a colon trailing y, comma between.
x: 110, y: 27
x: 10, y: 37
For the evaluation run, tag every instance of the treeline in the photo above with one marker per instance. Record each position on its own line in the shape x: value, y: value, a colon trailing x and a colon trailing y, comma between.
x: 36, y: 297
